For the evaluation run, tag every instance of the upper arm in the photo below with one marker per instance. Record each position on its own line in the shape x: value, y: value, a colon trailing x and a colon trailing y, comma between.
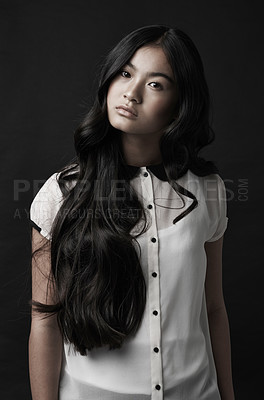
x: 213, y: 280
x: 42, y: 283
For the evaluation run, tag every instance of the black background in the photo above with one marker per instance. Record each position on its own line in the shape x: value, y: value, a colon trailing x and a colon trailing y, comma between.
x: 50, y: 53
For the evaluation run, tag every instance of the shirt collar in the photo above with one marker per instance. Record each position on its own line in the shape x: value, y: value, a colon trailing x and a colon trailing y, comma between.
x: 157, y: 169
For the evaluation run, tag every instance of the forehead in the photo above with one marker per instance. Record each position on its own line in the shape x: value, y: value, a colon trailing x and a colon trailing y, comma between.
x: 150, y: 58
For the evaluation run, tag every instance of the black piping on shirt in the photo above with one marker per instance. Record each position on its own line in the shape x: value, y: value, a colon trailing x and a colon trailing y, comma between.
x: 32, y: 223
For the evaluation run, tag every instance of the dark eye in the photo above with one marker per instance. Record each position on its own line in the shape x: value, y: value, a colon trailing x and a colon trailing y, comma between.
x: 157, y: 85
x: 125, y: 74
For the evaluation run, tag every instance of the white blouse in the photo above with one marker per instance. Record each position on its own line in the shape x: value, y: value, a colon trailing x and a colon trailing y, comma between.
x: 170, y: 357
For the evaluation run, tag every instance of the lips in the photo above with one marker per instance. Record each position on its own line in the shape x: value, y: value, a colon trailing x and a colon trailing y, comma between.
x: 128, y: 109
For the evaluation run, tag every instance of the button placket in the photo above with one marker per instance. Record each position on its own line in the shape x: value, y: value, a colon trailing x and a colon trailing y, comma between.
x: 154, y: 289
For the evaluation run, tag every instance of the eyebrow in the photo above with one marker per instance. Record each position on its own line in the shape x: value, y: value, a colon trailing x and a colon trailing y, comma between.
x: 152, y: 74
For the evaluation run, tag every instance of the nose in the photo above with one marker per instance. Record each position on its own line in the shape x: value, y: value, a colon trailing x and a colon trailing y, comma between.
x: 132, y: 93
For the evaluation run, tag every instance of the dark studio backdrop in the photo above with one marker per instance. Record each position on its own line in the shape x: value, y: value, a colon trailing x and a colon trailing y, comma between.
x: 50, y: 53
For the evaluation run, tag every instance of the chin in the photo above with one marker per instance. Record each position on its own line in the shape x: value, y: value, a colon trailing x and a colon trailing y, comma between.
x: 121, y: 126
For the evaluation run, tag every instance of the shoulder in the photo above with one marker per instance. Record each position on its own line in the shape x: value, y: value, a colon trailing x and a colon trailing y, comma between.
x: 52, y: 186
x: 47, y: 203
x: 210, y: 192
x: 208, y: 187
x: 202, y: 186
x: 48, y: 200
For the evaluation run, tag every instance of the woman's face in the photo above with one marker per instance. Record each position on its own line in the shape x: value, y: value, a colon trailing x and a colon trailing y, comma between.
x: 147, y: 87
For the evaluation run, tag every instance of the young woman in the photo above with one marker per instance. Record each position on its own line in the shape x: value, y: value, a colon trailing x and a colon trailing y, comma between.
x: 127, y: 240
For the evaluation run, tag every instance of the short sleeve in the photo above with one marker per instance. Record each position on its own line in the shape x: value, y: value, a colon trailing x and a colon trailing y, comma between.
x: 217, y: 207
x: 45, y: 206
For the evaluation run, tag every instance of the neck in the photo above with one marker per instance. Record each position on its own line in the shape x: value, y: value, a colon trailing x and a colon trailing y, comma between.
x: 140, y: 151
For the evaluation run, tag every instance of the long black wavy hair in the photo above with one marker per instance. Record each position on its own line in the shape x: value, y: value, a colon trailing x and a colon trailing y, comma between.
x: 95, y: 267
